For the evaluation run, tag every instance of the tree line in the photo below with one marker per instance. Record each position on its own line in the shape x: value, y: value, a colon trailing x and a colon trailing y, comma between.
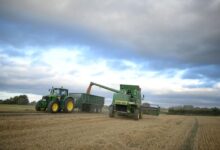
x: 182, y: 110
x: 20, y: 100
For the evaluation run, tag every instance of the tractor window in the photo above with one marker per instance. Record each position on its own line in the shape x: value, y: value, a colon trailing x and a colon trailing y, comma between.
x: 63, y: 92
x: 56, y: 92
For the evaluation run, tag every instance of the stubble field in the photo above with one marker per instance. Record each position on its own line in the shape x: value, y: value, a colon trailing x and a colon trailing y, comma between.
x: 97, y: 131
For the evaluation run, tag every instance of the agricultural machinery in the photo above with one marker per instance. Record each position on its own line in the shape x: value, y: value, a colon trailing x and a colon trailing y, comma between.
x: 60, y: 99
x: 88, y: 103
x: 150, y: 109
x: 56, y: 101
x: 126, y: 101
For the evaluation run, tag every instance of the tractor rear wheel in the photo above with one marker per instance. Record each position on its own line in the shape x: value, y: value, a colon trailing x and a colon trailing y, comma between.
x: 69, y: 105
x: 53, y: 107
x: 136, y: 114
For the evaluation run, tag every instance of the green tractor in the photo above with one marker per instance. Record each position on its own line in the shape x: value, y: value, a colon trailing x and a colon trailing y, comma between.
x: 126, y: 101
x: 58, y: 100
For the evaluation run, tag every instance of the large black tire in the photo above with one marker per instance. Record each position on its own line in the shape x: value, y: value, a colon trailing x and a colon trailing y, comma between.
x: 111, y: 111
x: 141, y: 114
x: 136, y: 114
x: 53, y: 107
x: 69, y: 105
x: 37, y: 107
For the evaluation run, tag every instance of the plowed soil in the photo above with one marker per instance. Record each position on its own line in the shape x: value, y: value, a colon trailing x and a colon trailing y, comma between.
x: 97, y: 131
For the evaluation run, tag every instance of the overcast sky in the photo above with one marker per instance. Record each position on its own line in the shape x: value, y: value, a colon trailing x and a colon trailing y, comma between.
x: 170, y: 48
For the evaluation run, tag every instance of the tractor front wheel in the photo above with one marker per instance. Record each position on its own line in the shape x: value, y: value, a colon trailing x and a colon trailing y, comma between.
x: 69, y: 105
x: 53, y: 107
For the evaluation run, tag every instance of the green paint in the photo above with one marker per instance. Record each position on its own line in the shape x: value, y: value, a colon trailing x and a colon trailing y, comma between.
x: 82, y: 101
x: 127, y: 100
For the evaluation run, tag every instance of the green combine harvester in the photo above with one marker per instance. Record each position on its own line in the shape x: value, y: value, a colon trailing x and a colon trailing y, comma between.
x: 60, y: 99
x: 126, y: 101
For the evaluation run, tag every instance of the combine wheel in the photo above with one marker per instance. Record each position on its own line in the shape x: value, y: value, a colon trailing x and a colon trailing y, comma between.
x: 136, y: 114
x: 53, y: 107
x: 97, y: 109
x: 111, y: 111
x: 141, y: 114
x: 37, y: 107
x: 69, y: 105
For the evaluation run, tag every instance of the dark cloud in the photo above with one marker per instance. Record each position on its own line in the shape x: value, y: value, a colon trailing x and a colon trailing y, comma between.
x: 19, y: 35
x: 204, y: 84
x: 209, y: 72
x: 173, y: 32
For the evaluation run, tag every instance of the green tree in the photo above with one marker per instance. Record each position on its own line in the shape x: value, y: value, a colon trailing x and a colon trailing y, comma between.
x: 21, y: 100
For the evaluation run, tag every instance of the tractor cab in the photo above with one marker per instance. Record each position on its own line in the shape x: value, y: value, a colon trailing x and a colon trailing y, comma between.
x: 59, y: 92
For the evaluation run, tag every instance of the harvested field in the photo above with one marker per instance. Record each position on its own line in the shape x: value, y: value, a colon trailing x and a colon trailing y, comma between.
x: 208, y: 136
x: 4, y: 108
x: 98, y: 131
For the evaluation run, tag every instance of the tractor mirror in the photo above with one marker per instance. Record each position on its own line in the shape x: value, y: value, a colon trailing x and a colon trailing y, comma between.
x: 143, y: 96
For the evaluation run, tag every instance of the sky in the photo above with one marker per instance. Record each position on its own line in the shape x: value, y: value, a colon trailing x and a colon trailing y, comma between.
x: 169, y: 48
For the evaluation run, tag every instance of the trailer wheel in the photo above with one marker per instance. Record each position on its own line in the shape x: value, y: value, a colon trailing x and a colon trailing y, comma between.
x: 37, y: 107
x: 53, y: 107
x: 69, y: 105
x: 136, y: 114
x: 111, y: 111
